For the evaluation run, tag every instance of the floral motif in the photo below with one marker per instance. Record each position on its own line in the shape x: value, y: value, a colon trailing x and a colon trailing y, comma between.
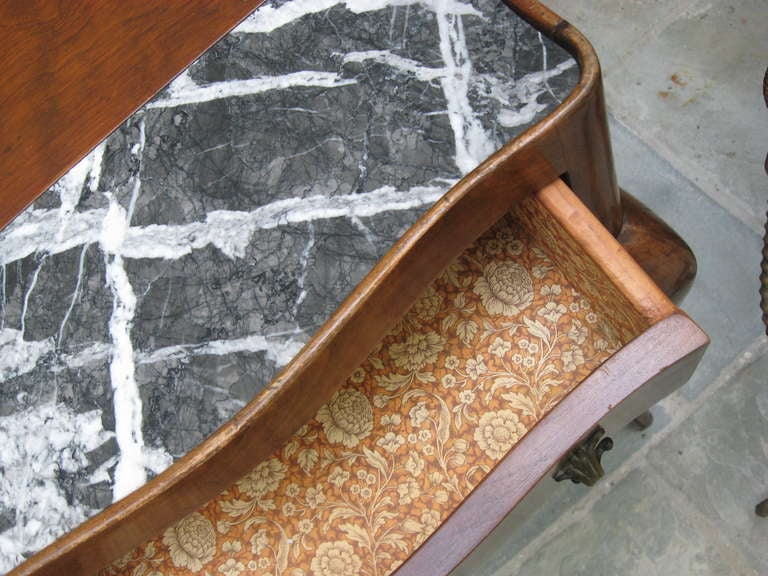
x: 390, y: 441
x: 191, y: 542
x: 505, y: 288
x: 335, y: 559
x: 552, y: 311
x: 573, y: 357
x: 499, y: 347
x: 263, y: 479
x: 428, y: 305
x: 347, y: 418
x: 232, y: 568
x: 498, y: 431
x: 476, y: 363
x: 417, y: 350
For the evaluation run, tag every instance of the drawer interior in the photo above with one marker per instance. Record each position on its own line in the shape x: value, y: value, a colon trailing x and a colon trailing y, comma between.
x: 517, y: 321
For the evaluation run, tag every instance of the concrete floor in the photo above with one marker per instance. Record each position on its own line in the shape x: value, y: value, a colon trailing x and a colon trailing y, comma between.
x: 683, y: 83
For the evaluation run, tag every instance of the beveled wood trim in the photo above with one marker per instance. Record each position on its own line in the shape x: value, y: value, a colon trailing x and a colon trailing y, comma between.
x: 572, y: 139
x: 74, y: 70
x: 659, y: 359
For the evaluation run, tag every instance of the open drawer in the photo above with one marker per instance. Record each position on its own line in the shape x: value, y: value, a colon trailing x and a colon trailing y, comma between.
x: 541, y: 329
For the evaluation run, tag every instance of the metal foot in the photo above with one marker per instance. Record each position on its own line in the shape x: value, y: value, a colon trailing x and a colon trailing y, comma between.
x: 762, y: 509
x: 582, y: 465
x: 643, y: 421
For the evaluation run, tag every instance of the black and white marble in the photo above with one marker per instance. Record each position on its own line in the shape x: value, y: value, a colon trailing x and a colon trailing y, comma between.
x: 164, y: 280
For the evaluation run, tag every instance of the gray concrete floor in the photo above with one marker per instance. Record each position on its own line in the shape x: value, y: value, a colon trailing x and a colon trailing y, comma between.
x: 683, y: 83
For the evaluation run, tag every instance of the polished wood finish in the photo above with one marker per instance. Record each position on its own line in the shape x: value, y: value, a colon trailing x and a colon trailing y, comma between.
x: 676, y: 345
x: 575, y: 137
x: 662, y: 253
x: 264, y: 425
x: 573, y: 140
x: 74, y: 70
x: 338, y: 347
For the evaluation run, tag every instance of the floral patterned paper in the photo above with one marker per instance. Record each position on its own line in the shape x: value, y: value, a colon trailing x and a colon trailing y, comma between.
x: 491, y: 347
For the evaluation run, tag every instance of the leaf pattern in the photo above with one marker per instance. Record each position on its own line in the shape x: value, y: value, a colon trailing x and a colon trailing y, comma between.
x: 492, y: 346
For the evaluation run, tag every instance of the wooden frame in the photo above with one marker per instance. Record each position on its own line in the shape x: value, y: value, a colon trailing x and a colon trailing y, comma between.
x: 573, y: 140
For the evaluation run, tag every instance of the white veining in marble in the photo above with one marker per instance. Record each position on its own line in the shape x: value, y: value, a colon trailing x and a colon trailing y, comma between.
x: 47, y: 441
x: 185, y: 91
x: 103, y: 231
x: 268, y: 18
x: 229, y: 231
x: 130, y: 472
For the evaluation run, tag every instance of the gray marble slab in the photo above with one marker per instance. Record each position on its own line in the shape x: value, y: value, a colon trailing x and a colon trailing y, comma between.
x: 160, y: 284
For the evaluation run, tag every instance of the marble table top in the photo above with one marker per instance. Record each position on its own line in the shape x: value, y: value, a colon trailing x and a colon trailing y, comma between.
x: 161, y: 283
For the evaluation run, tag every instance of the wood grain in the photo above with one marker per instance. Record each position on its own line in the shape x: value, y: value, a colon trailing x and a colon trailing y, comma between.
x: 659, y: 250
x: 42, y: 141
x: 74, y: 70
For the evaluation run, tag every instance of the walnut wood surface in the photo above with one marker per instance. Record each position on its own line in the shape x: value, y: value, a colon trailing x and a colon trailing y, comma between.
x: 572, y: 140
x: 575, y: 137
x: 661, y: 252
x: 74, y: 70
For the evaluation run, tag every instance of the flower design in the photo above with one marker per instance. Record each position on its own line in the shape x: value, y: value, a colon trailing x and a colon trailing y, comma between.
x: 499, y: 347
x: 259, y: 541
x: 347, y: 418
x: 418, y: 414
x: 263, y: 479
x: 390, y: 420
x: 447, y: 401
x: 451, y: 362
x: 338, y: 477
x: 476, y: 367
x: 335, y: 559
x: 573, y: 357
x: 414, y: 464
x: 231, y: 567
x: 358, y: 375
x: 578, y: 332
x: 504, y: 288
x: 191, y: 542
x: 428, y: 305
x: 551, y: 290
x: 552, y: 311
x: 408, y: 491
x: 430, y: 519
x: 417, y: 350
x: 497, y: 432
x: 315, y: 497
x: 390, y: 441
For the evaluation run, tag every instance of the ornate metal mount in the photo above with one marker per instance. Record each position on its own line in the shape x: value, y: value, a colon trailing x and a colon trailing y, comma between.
x: 582, y: 465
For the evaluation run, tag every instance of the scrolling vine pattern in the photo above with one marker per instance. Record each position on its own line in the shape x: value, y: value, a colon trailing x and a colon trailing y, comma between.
x: 491, y: 347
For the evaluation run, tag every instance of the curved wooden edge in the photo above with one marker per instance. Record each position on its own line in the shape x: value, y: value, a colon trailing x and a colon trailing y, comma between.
x: 657, y: 248
x: 528, y: 163
x: 608, y: 253
x: 577, y: 141
x: 75, y: 70
x: 653, y: 364
x: 587, y: 160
